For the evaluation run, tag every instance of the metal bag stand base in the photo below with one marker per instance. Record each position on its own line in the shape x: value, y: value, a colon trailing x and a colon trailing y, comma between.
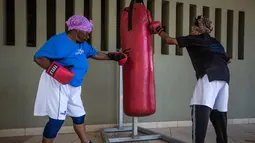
x: 144, y: 134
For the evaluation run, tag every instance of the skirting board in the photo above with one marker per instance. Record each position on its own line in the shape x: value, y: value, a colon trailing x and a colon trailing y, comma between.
x: 92, y: 128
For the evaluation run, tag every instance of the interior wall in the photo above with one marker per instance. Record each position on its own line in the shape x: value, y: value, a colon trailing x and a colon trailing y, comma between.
x: 174, y: 75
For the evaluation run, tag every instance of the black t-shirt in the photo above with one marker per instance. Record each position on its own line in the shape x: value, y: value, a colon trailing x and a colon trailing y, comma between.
x: 207, y: 56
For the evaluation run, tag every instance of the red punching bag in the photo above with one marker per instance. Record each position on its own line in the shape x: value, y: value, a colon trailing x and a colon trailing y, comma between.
x: 138, y: 71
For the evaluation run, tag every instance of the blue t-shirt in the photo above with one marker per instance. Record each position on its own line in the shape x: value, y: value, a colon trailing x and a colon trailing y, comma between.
x: 67, y: 53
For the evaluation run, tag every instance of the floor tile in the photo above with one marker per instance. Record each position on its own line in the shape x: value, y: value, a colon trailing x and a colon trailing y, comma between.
x: 66, y: 138
x: 157, y: 141
x: 181, y: 133
x: 34, y: 139
x: 164, y: 131
x: 14, y: 139
x: 241, y: 133
x: 94, y: 136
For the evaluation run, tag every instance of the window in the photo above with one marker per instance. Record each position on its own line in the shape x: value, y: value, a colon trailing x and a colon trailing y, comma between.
x: 218, y: 24
x: 179, y: 25
x: 119, y: 10
x: 241, y: 28
x: 165, y: 24
x: 206, y: 11
x: 230, y: 20
x: 150, y: 7
x: 87, y: 13
x: 87, y: 8
x: 69, y: 10
x: 192, y: 16
x: 10, y: 22
x: 51, y: 18
x: 31, y: 23
x: 104, y: 25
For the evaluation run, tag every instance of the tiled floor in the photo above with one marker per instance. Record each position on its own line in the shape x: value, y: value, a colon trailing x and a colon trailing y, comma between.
x: 237, y: 134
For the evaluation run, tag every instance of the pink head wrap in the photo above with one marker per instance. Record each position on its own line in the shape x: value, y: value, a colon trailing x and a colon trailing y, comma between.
x: 79, y: 22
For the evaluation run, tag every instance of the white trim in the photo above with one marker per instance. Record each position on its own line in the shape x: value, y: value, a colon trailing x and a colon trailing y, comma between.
x: 92, y: 128
x: 12, y: 132
x: 251, y: 120
x: 241, y: 121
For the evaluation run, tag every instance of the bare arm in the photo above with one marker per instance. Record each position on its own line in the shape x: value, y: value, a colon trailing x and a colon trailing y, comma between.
x: 169, y: 40
x: 101, y: 56
x: 42, y: 62
x: 116, y: 56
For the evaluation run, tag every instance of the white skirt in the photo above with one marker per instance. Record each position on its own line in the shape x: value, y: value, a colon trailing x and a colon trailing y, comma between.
x: 213, y: 94
x: 56, y: 100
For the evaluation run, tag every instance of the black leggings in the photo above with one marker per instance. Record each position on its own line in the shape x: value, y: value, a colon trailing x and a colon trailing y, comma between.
x: 200, y: 117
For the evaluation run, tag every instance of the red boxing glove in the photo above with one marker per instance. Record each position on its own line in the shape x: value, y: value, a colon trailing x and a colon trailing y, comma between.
x: 123, y: 61
x: 155, y: 27
x: 121, y: 57
x: 60, y: 73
